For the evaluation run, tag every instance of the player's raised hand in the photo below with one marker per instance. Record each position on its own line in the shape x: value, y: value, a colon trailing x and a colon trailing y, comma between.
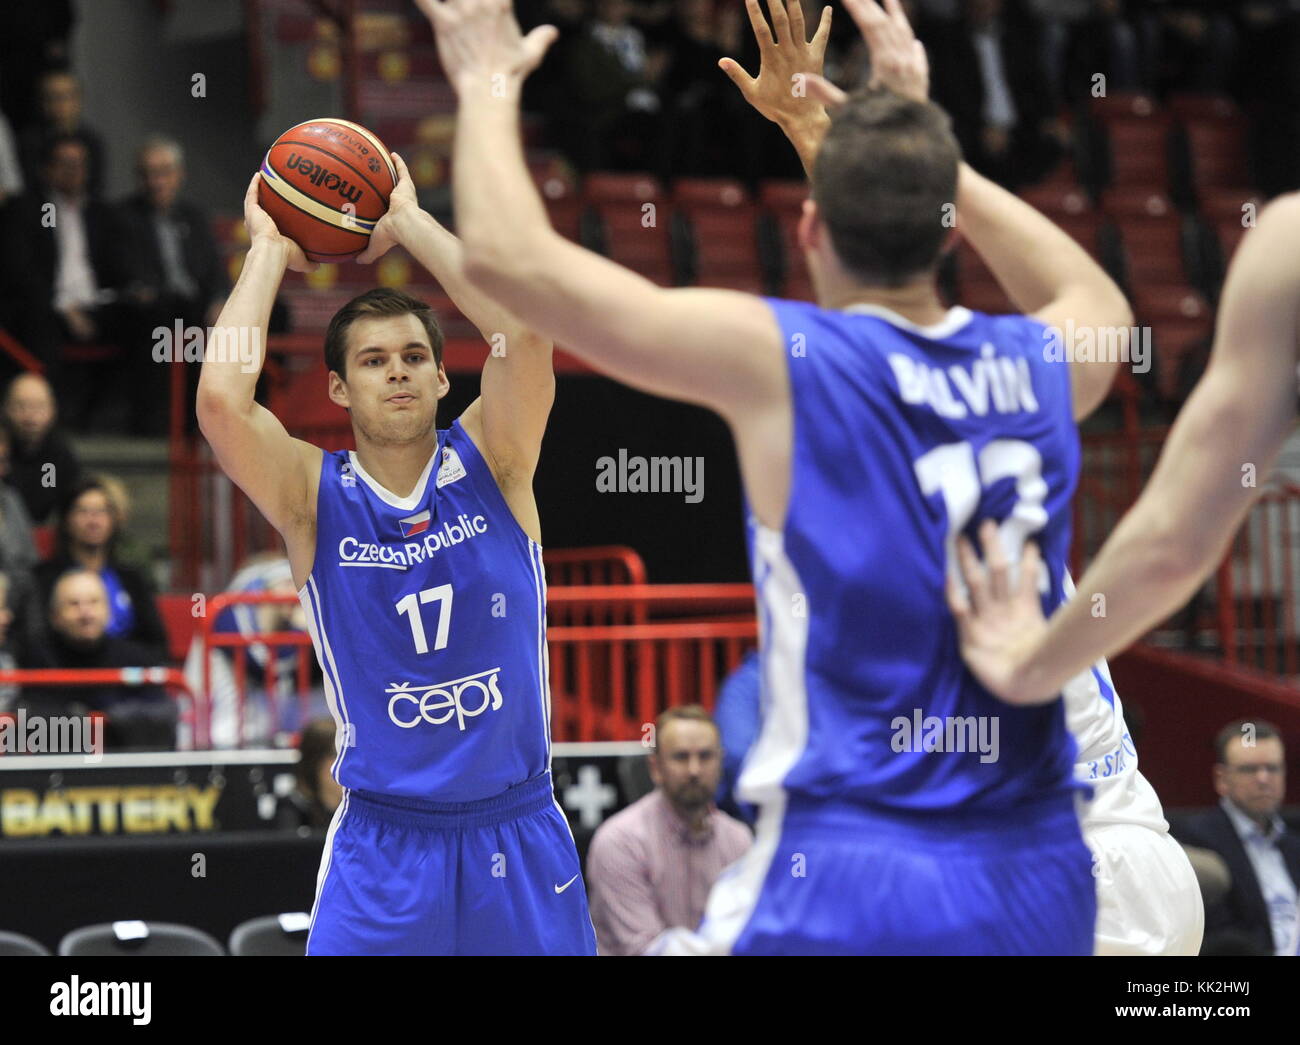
x: 778, y: 92
x: 998, y: 615
x: 898, y: 60
x: 261, y: 226
x: 402, y: 202
x: 480, y: 41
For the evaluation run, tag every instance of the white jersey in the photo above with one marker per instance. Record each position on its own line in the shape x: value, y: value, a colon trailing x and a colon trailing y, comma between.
x: 1107, y: 758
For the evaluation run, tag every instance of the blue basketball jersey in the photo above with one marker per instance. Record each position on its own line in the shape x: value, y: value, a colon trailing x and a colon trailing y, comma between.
x: 905, y: 437
x: 428, y: 618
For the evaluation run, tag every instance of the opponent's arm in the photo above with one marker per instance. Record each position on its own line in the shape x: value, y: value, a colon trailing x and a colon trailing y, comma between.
x: 1043, y: 271
x: 711, y: 347
x: 518, y: 386
x: 1229, y: 431
x: 250, y: 443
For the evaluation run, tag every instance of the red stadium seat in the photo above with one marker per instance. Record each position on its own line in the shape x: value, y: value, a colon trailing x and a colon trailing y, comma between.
x: 1218, y: 154
x: 1228, y: 204
x: 1057, y: 200
x: 644, y: 248
x: 1151, y: 231
x: 1170, y: 303
x: 1139, y: 152
x: 1125, y: 105
x: 1198, y: 106
x: 1175, y: 341
x: 1229, y: 233
x: 622, y: 188
x: 796, y: 283
x: 723, y: 224
x: 783, y: 196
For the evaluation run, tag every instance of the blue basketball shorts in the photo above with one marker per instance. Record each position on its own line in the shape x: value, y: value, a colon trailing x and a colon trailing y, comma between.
x: 496, y: 876
x: 827, y: 879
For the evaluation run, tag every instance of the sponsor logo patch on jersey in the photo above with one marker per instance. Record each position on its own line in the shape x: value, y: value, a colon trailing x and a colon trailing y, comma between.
x: 414, y: 524
x: 451, y: 469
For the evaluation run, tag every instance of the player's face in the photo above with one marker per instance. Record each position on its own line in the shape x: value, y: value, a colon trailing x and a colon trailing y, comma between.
x: 688, y: 762
x: 393, y: 383
x: 1255, y: 777
x: 80, y: 609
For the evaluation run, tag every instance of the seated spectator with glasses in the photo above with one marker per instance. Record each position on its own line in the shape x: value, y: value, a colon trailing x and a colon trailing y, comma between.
x: 78, y: 638
x: 651, y: 866
x: 1258, y: 914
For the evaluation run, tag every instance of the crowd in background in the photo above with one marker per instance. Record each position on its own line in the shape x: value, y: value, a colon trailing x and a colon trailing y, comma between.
x: 634, y: 84
x: 84, y: 281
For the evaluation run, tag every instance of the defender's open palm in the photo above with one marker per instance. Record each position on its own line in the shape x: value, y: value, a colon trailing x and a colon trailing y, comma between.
x: 480, y: 40
x: 779, y: 90
x: 1001, y: 616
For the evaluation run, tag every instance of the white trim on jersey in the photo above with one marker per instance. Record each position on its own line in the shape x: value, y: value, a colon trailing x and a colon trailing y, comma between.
x: 779, y: 746
x: 387, y: 496
x: 543, y: 659
x: 309, y: 596
x: 326, y: 858
x: 956, y: 318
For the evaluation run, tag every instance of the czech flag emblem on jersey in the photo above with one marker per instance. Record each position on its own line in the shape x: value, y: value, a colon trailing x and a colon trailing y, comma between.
x: 414, y: 524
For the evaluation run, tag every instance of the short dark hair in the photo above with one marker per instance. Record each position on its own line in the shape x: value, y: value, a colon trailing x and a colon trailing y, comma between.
x: 84, y: 485
x: 382, y: 301
x: 1235, y: 731
x: 883, y: 175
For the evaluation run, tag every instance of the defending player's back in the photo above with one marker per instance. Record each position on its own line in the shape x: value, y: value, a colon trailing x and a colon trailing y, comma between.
x: 902, y: 436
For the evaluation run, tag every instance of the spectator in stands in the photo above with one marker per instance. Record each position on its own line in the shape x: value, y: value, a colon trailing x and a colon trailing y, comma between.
x: 605, y: 111
x: 8, y: 690
x: 650, y: 866
x: 1259, y: 912
x: 738, y: 715
x: 61, y: 118
x: 11, y: 170
x: 1082, y: 38
x: 78, y: 638
x: 17, y: 548
x: 987, y: 72
x: 316, y: 795
x: 171, y: 270
x: 86, y: 536
x: 33, y: 39
x: 62, y: 267
x: 1187, y: 45
x: 262, y: 574
x: 41, y: 463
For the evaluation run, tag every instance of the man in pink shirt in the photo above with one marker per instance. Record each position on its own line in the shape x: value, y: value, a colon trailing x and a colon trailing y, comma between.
x: 651, y: 866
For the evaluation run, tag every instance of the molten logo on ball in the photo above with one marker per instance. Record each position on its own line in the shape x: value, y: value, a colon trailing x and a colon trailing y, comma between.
x: 318, y: 175
x: 325, y: 184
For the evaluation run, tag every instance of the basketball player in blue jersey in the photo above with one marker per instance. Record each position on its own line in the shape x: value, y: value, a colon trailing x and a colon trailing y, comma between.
x: 417, y: 559
x: 871, y: 429
x: 1148, y: 898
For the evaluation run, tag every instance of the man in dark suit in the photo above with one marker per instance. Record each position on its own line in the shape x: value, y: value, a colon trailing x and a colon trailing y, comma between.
x: 173, y: 272
x: 987, y: 71
x: 1259, y: 912
x: 62, y: 269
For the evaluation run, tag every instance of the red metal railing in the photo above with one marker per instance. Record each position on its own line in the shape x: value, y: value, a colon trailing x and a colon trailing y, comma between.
x: 170, y: 679
x: 607, y: 679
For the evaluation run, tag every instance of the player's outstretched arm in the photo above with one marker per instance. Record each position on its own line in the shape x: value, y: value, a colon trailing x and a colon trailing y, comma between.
x: 250, y: 443
x: 786, y: 58
x: 1043, y: 271
x: 1227, y: 437
x: 716, y: 348
x: 518, y: 388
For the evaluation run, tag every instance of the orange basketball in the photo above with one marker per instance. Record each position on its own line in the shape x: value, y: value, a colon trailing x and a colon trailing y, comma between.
x: 325, y: 183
